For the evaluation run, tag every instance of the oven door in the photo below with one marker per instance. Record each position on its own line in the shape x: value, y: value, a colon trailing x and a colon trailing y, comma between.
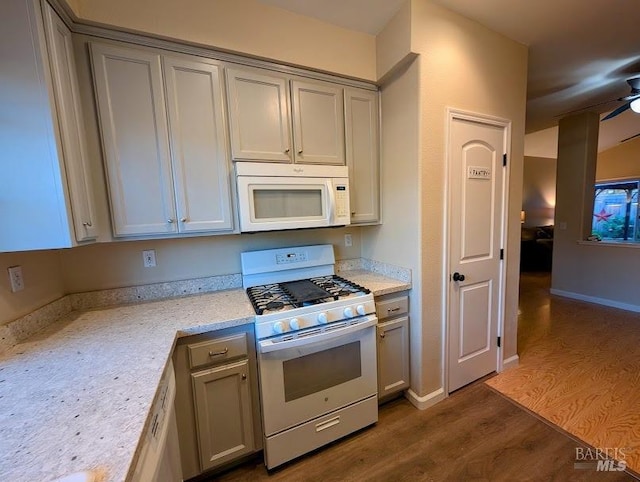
x: 276, y: 203
x: 317, y: 372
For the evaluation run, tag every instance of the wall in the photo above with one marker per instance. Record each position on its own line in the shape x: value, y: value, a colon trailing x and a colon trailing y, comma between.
x: 104, y: 266
x: 604, y: 273
x: 461, y: 65
x: 43, y: 281
x: 243, y: 26
x: 397, y: 240
x: 539, y: 190
x: 619, y: 162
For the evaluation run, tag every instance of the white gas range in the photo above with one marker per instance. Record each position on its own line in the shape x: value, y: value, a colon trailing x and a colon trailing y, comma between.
x: 316, y: 349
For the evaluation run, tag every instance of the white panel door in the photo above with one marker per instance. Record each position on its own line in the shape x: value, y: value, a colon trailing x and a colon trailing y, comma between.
x: 476, y: 223
x: 133, y: 122
x: 259, y: 121
x: 361, y: 123
x: 198, y: 145
x: 72, y: 134
x: 318, y: 123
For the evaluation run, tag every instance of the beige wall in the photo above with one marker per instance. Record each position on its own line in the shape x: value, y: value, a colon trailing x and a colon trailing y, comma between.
x: 114, y: 265
x: 42, y: 280
x: 468, y: 67
x: 243, y: 26
x: 397, y: 240
x: 622, y: 161
x: 393, y: 43
x: 539, y: 190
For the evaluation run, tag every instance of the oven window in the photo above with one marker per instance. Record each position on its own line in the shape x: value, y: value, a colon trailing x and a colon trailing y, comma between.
x: 288, y: 203
x: 313, y: 373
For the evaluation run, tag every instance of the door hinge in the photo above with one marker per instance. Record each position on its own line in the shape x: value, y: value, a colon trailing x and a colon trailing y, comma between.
x: 501, y: 253
x: 499, y: 342
x: 504, y: 159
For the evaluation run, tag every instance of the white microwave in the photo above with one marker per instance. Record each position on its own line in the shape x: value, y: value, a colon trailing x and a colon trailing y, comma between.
x: 274, y: 197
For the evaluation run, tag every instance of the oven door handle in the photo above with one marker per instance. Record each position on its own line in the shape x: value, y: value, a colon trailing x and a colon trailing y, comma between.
x: 267, y: 346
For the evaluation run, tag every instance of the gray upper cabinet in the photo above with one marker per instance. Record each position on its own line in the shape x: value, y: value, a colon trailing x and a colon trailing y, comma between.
x: 198, y: 145
x: 72, y: 135
x: 361, y: 116
x: 318, y: 123
x: 46, y: 197
x: 259, y: 121
x: 275, y: 119
x: 165, y: 159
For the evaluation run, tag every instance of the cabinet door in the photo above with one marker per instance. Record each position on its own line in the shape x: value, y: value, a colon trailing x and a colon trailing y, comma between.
x: 361, y: 118
x: 318, y: 123
x: 393, y: 356
x: 198, y: 145
x: 71, y: 124
x: 259, y: 120
x: 133, y: 122
x: 222, y: 402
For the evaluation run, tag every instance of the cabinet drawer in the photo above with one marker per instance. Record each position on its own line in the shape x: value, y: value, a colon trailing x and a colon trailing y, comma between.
x: 392, y: 307
x: 219, y: 350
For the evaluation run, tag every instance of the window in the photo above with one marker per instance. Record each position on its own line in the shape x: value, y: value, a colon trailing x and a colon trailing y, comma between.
x: 615, y: 211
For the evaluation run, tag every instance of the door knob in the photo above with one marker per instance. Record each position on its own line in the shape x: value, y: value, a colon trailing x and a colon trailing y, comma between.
x: 458, y: 277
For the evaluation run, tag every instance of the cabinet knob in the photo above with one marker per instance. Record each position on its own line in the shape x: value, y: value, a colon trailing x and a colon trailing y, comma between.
x: 87, y: 224
x: 244, y: 376
x: 353, y: 213
x: 183, y: 220
x: 286, y: 151
x: 382, y: 334
x: 300, y: 151
x: 170, y: 221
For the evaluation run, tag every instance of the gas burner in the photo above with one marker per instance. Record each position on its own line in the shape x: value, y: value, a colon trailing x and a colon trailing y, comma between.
x: 269, y: 297
x: 274, y: 305
x: 339, y: 287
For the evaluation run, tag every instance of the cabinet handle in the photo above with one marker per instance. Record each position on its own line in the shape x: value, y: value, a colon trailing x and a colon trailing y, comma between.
x: 286, y: 151
x: 391, y: 310
x: 382, y: 334
x: 244, y: 376
x: 87, y: 224
x: 300, y: 151
x: 183, y: 220
x: 170, y: 221
x: 218, y: 353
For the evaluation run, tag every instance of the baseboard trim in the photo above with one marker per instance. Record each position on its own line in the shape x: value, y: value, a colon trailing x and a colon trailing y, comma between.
x: 511, y: 362
x: 596, y: 300
x: 429, y: 400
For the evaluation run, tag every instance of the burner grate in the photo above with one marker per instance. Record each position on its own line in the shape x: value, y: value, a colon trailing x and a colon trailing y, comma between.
x: 269, y: 297
x: 339, y: 286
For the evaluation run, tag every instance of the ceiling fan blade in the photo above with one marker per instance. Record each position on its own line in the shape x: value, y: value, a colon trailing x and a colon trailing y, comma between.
x: 634, y: 83
x: 629, y: 138
x: 619, y: 110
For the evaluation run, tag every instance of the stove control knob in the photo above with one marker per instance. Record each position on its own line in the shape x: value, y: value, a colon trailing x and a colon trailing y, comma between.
x: 348, y: 312
x: 294, y: 324
x: 278, y: 327
x: 360, y: 310
x: 322, y: 318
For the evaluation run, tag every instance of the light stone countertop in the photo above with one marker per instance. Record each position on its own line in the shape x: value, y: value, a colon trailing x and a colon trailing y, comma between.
x: 77, y: 395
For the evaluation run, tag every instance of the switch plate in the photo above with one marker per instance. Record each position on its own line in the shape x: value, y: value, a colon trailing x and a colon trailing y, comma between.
x: 15, y: 277
x: 348, y: 241
x: 149, y: 258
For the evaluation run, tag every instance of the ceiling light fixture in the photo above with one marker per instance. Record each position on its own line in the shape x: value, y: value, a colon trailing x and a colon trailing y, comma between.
x: 635, y: 106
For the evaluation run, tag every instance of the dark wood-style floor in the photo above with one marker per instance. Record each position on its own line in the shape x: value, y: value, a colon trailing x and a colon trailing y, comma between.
x: 475, y: 434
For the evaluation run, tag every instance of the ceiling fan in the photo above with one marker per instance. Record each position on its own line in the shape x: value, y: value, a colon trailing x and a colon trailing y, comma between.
x: 631, y: 101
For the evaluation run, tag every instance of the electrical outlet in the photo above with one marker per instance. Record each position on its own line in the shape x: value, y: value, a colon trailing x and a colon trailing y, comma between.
x: 348, y: 242
x: 15, y: 277
x: 149, y: 258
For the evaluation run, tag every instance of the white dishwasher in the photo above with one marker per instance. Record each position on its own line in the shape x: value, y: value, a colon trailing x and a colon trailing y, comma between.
x: 159, y: 459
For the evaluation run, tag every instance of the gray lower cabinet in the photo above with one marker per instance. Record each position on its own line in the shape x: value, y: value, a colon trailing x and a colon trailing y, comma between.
x: 393, y: 345
x: 217, y: 404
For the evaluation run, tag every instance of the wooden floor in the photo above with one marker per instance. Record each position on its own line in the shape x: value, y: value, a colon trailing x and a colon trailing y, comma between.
x: 579, y: 368
x: 476, y: 434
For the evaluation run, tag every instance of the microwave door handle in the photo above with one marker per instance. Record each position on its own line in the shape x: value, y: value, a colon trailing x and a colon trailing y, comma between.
x: 332, y: 202
x: 266, y: 346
